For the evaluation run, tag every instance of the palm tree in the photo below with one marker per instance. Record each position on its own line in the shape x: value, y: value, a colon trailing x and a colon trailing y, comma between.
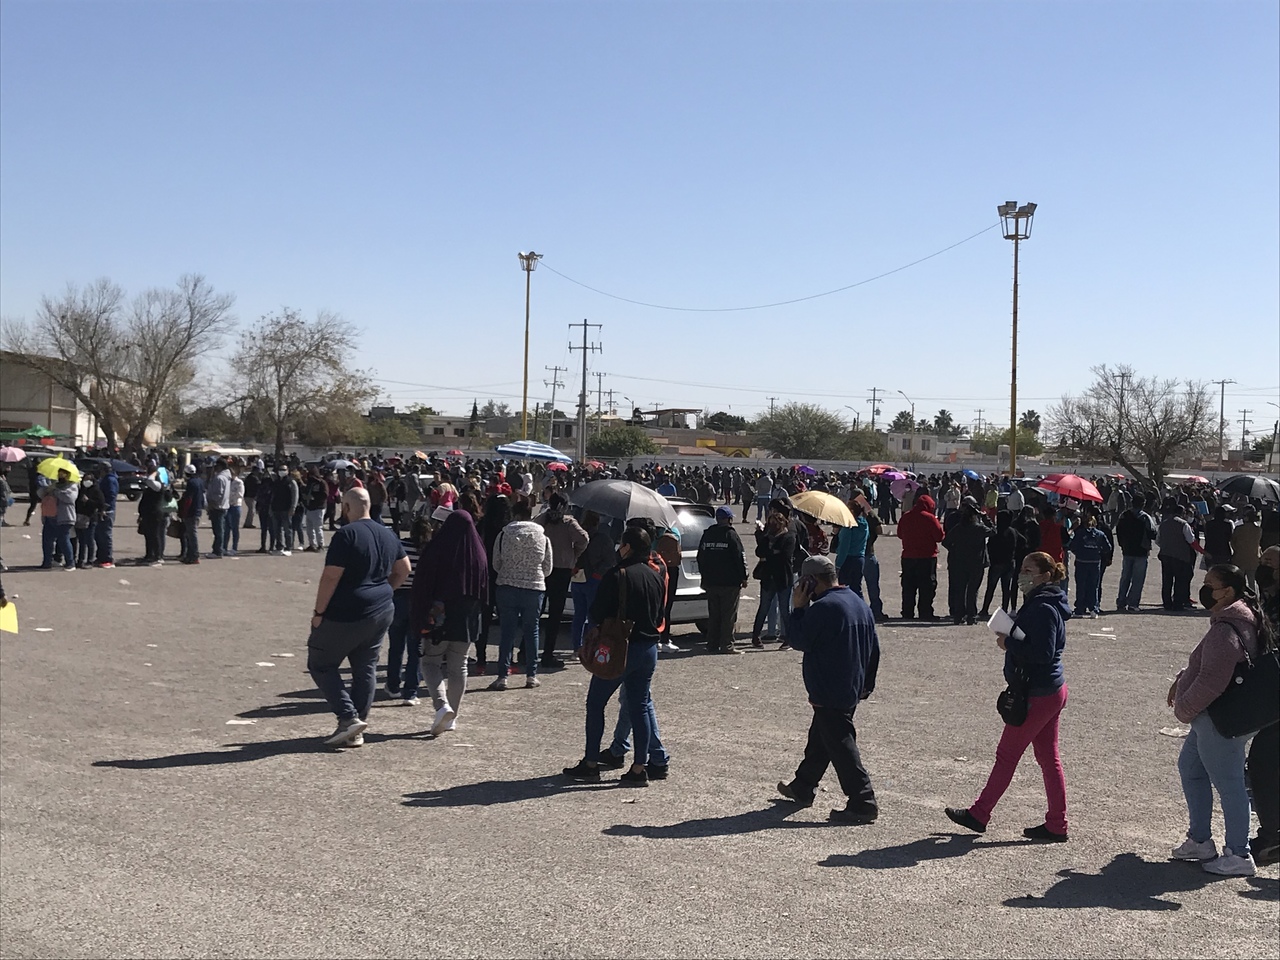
x: 943, y: 421
x: 1030, y: 421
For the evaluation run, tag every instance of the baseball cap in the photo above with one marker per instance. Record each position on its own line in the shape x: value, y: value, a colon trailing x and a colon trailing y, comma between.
x: 818, y: 567
x: 724, y: 512
x: 190, y: 468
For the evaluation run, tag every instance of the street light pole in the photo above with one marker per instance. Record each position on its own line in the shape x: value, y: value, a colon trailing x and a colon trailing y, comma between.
x: 1017, y: 227
x: 528, y: 263
x: 913, y: 430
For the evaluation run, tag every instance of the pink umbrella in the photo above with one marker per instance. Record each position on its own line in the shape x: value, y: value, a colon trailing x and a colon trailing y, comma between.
x: 12, y: 454
x: 901, y: 486
x: 893, y: 475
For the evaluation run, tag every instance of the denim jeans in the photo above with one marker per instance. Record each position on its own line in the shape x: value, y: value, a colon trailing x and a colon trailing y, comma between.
x: 48, y: 539
x: 191, y: 538
x: 583, y: 594
x: 103, y: 535
x: 401, y: 648
x: 851, y: 572
x: 871, y: 576
x: 86, y: 544
x: 518, y: 611
x: 62, y: 537
x: 315, y: 528
x: 359, y: 644
x: 1211, y: 761
x: 621, y: 745
x: 1133, y: 572
x: 1088, y: 588
x: 642, y: 660
x: 232, y: 523
x: 281, y: 530
x: 768, y: 597
x: 218, y: 524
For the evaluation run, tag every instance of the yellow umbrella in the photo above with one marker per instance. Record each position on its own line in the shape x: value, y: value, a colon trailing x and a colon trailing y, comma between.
x: 50, y: 467
x: 824, y: 507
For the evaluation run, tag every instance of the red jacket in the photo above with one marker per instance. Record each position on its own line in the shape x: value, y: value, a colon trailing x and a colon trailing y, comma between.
x: 920, y: 531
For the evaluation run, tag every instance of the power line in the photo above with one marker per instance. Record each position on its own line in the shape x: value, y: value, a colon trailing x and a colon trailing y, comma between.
x: 779, y: 303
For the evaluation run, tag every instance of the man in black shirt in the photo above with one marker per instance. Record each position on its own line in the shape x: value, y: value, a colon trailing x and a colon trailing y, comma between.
x: 722, y: 563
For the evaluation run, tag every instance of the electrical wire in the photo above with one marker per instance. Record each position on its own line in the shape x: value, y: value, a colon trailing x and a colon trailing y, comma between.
x: 779, y: 303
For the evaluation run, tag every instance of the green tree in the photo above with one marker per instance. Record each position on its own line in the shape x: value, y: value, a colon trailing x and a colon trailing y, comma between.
x: 725, y: 422
x: 901, y: 422
x: 390, y: 432
x: 493, y: 409
x: 1030, y: 420
x: 621, y: 442
x: 989, y: 442
x: 864, y: 444
x: 943, y: 423
x: 803, y: 431
x: 215, y: 423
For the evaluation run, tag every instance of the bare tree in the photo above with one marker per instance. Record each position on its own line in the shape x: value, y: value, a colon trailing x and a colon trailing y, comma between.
x: 1131, y: 419
x: 292, y: 370
x: 123, y: 364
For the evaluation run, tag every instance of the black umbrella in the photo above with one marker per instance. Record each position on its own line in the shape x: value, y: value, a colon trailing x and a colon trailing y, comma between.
x: 623, y: 499
x: 1255, y: 488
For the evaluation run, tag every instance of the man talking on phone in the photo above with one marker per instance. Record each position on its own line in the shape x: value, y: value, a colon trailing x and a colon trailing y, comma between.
x: 835, y: 630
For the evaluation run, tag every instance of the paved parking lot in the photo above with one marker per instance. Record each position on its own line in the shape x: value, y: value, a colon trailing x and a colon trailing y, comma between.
x: 164, y: 795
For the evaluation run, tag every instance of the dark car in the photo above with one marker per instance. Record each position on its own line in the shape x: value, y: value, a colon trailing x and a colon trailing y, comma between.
x: 130, y: 477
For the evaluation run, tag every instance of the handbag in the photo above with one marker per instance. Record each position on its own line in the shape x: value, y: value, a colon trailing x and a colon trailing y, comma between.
x: 174, y: 529
x: 1252, y: 698
x: 758, y: 572
x: 1012, y: 702
x: 604, y: 649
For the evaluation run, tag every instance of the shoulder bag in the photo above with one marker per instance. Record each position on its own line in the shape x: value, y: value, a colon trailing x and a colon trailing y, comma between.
x: 1252, y: 698
x: 1012, y: 702
x: 604, y: 649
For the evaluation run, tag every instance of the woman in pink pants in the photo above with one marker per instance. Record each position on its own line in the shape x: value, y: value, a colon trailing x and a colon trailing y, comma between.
x: 1037, y: 656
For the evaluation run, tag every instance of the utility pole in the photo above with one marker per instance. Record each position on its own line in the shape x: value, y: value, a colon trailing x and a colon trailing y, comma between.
x: 980, y: 410
x: 1222, y: 417
x: 1244, y: 422
x: 587, y: 349
x: 875, y: 393
x: 771, y: 399
x: 613, y: 411
x: 1123, y: 376
x: 599, y: 400
x: 553, y: 383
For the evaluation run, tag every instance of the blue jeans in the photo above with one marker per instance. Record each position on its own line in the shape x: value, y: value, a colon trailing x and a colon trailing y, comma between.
x: 62, y: 537
x: 86, y: 544
x: 402, y: 647
x: 281, y: 530
x: 871, y: 574
x: 218, y: 523
x: 851, y: 573
x: 768, y: 597
x: 232, y: 522
x: 359, y: 644
x: 621, y: 745
x: 1211, y: 761
x: 103, y: 534
x: 583, y: 594
x: 518, y: 610
x: 1088, y: 587
x: 762, y: 504
x: 190, y: 538
x: 48, y: 539
x: 642, y: 660
x: 1133, y: 573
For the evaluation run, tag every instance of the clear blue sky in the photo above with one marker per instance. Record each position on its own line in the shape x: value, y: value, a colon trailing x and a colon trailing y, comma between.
x: 388, y: 160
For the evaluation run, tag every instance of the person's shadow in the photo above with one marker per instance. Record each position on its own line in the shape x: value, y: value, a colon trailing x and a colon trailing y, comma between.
x: 1263, y: 889
x: 939, y: 846
x: 1126, y: 883
x: 248, y: 752
x: 773, y: 817
x: 489, y: 792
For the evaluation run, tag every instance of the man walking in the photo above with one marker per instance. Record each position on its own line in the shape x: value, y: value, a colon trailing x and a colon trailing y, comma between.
x: 1135, y: 533
x: 834, y: 628
x: 354, y: 606
x: 218, y: 499
x: 920, y: 533
x: 722, y: 560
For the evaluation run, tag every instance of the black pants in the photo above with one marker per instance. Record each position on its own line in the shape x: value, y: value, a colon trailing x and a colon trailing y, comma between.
x: 1264, y: 781
x: 557, y: 591
x: 833, y: 741
x: 1003, y: 574
x: 1175, y: 583
x: 153, y: 531
x: 722, y: 615
x: 919, y: 575
x: 962, y: 591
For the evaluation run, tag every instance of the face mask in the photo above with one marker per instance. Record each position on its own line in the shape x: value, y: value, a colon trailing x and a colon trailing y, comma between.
x: 1206, y: 597
x: 283, y: 473
x: 1266, y: 577
x: 1026, y: 583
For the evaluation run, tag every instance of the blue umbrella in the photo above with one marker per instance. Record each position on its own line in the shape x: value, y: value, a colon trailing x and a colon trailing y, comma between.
x: 972, y: 474
x: 531, y: 450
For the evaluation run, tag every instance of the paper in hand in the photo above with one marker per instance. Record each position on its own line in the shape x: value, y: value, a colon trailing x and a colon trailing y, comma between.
x: 1001, y: 622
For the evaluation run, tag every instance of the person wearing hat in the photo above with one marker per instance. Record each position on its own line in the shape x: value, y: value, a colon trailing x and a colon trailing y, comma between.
x: 966, y: 545
x: 835, y: 630
x: 189, y: 509
x: 722, y: 561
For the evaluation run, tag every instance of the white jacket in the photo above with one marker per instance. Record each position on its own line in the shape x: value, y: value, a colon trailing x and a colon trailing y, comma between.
x: 522, y: 556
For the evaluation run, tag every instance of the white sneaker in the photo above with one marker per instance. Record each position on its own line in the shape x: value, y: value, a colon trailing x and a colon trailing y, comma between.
x: 1232, y: 864
x: 411, y: 701
x: 356, y: 741
x: 347, y: 730
x: 286, y: 553
x: 453, y: 725
x: 1191, y: 850
x: 670, y: 647
x: 444, y: 720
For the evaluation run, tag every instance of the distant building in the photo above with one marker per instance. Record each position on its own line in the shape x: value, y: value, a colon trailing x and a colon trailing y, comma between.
x: 926, y: 447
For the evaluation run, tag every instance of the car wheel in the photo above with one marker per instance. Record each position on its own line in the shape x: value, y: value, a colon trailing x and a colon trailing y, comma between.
x: 131, y: 497
x: 701, y: 625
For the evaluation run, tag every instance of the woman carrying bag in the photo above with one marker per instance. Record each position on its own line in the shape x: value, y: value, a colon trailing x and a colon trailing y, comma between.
x: 1209, y: 760
x: 1033, y: 670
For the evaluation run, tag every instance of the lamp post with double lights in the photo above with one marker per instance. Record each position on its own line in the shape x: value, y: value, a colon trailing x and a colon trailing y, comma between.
x: 1016, y: 221
x: 528, y: 263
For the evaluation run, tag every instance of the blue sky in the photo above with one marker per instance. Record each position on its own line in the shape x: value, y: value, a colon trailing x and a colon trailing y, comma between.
x: 388, y: 160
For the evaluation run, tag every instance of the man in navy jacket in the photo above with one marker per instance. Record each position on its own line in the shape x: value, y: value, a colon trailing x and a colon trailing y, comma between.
x: 836, y: 631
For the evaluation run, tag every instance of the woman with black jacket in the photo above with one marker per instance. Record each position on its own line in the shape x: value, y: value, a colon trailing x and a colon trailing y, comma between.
x: 776, y: 547
x: 1005, y: 545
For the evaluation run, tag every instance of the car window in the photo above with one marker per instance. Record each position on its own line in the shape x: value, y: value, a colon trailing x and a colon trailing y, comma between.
x: 691, y: 528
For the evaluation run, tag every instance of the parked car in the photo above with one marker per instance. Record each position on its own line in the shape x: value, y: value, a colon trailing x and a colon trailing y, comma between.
x: 19, y: 473
x: 130, y: 480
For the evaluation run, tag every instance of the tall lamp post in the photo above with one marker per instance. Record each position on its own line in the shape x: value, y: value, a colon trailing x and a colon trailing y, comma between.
x: 913, y: 430
x: 528, y: 263
x: 1017, y: 227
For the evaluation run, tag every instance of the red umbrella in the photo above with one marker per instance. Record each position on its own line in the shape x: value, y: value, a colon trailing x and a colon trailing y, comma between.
x: 879, y: 468
x: 454, y: 453
x: 1197, y: 479
x: 595, y: 464
x: 1070, y: 485
x: 557, y: 466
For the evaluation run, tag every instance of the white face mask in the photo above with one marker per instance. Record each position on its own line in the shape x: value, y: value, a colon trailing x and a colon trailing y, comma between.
x: 283, y: 473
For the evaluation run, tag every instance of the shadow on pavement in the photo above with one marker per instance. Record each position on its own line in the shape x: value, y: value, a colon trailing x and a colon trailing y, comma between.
x: 773, y: 817
x: 490, y: 792
x: 1263, y: 889
x: 940, y: 846
x: 1127, y: 883
x: 247, y: 752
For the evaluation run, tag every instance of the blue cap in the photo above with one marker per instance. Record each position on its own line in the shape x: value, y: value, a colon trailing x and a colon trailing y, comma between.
x: 724, y: 512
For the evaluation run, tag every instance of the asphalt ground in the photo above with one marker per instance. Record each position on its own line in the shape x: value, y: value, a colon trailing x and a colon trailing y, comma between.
x: 141, y: 816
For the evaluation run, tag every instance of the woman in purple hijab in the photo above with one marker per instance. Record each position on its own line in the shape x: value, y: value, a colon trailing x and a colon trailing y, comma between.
x: 450, y: 588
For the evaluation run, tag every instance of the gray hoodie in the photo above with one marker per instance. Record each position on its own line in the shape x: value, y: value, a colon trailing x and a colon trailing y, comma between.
x: 522, y: 556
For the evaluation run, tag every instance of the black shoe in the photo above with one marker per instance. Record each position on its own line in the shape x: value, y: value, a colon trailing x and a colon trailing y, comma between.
x: 583, y: 773
x: 1265, y: 852
x: 985, y: 614
x: 970, y: 621
x: 610, y: 760
x: 656, y: 771
x: 856, y: 815
x: 633, y: 779
x: 962, y: 816
x: 1043, y: 834
x: 552, y: 664
x: 789, y: 792
x: 956, y: 621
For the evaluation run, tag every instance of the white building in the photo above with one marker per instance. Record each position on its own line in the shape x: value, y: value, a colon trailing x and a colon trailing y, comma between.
x: 926, y: 447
